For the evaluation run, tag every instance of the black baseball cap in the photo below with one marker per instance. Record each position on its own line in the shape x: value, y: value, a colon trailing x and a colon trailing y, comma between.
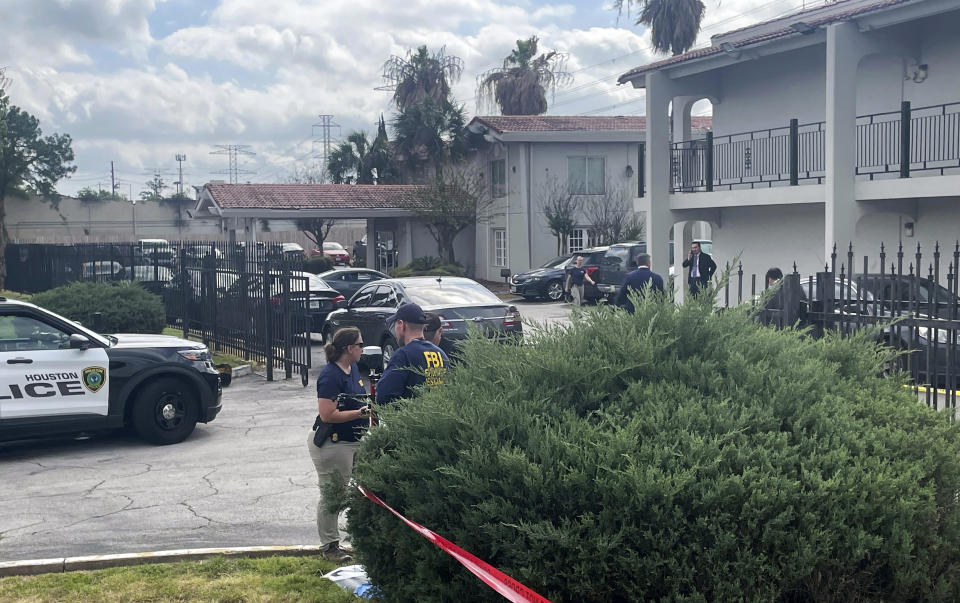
x: 409, y: 312
x: 433, y: 323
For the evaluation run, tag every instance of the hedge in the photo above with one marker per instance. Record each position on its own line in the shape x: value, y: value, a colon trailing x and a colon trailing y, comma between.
x: 318, y: 264
x: 427, y: 266
x: 673, y: 454
x: 124, y: 307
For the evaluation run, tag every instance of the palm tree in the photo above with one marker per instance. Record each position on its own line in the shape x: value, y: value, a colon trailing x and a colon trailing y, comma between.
x: 520, y: 86
x: 350, y: 161
x: 674, y: 24
x: 429, y: 133
x: 421, y: 76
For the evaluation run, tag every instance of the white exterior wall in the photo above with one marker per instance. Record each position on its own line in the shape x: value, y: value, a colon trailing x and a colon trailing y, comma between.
x: 530, y: 242
x: 767, y: 92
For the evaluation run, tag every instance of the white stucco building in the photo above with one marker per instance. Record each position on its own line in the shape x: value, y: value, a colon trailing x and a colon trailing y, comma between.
x: 872, y: 156
x: 525, y: 157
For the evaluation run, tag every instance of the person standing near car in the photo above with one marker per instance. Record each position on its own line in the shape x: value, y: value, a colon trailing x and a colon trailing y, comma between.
x: 576, y: 275
x: 701, y: 267
x: 418, y: 361
x: 433, y: 330
x: 641, y: 280
x: 333, y: 459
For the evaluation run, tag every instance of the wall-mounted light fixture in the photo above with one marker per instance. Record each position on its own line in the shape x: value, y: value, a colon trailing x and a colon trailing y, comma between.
x: 908, y: 229
x: 919, y: 73
x: 629, y: 171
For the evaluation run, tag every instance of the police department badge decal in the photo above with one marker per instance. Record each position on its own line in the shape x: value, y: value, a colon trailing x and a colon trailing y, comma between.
x: 94, y: 377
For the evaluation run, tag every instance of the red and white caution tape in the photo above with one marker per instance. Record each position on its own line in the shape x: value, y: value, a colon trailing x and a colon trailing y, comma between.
x: 491, y: 576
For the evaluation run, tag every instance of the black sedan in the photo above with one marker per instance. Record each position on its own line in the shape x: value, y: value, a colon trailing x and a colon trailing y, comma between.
x: 348, y: 281
x: 459, y: 302
x: 243, y: 302
x: 546, y: 281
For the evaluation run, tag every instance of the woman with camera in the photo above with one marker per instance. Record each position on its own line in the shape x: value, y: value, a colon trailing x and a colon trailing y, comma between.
x: 342, y: 419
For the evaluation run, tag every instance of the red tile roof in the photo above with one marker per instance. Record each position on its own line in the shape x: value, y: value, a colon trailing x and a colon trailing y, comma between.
x: 312, y: 196
x: 766, y: 37
x: 574, y: 123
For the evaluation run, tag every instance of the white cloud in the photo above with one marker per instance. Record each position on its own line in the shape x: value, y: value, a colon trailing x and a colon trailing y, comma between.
x: 258, y: 73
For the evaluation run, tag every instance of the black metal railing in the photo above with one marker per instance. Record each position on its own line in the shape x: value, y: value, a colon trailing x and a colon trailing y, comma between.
x: 913, y: 298
x: 249, y: 301
x: 891, y: 144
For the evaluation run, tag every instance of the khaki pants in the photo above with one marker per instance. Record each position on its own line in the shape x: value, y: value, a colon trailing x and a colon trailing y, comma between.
x: 576, y: 291
x: 332, y: 459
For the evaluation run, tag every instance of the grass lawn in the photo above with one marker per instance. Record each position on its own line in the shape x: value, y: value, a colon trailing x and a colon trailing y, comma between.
x: 218, y: 358
x: 215, y: 579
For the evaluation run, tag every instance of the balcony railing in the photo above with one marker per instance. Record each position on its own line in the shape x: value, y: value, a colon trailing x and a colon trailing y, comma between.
x: 893, y: 144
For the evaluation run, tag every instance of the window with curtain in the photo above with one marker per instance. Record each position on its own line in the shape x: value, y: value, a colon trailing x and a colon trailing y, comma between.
x: 586, y: 175
x: 500, y: 248
x: 498, y: 178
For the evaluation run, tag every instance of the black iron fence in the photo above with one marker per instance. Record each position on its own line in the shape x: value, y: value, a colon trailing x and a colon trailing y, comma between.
x: 250, y: 301
x: 892, y: 144
x: 913, y: 298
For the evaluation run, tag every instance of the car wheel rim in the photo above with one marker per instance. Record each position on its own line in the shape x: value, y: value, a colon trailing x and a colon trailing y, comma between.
x: 170, y: 411
x: 554, y: 291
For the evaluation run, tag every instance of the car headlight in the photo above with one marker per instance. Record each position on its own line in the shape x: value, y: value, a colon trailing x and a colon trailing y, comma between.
x: 195, y: 354
x: 924, y: 333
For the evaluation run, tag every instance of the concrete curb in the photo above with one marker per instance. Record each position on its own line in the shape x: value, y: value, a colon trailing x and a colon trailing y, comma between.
x: 242, y: 370
x: 94, y: 562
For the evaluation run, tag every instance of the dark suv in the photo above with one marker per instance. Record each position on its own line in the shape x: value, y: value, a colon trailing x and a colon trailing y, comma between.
x: 619, y: 259
x: 61, y: 377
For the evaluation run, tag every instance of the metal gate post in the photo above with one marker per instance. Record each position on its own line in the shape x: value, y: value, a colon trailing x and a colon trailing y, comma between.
x: 267, y: 322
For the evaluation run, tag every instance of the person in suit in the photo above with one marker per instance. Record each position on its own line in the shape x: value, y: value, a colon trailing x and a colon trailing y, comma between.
x: 701, y: 267
x: 641, y: 280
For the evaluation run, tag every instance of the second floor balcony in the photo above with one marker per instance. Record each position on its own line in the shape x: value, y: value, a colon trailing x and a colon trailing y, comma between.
x: 896, y: 144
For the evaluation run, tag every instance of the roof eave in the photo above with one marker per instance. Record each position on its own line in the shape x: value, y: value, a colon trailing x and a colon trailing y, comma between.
x: 314, y: 212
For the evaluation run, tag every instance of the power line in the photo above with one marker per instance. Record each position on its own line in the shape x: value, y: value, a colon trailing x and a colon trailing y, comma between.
x: 233, y: 151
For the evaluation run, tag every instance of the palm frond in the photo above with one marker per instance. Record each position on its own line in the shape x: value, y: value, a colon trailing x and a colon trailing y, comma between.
x: 521, y: 85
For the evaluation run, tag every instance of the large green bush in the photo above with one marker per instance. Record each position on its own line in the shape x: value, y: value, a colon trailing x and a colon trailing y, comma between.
x: 674, y: 454
x: 125, y: 307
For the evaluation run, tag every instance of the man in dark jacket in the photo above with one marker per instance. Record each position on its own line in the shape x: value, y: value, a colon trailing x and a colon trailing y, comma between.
x: 640, y: 280
x: 701, y: 267
x: 417, y: 362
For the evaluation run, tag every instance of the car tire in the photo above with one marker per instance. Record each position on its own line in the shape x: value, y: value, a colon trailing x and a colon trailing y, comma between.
x: 389, y: 347
x: 165, y: 411
x: 326, y: 335
x: 554, y: 291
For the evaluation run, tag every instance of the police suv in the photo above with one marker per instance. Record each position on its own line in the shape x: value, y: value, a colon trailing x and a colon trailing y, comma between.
x: 57, y: 376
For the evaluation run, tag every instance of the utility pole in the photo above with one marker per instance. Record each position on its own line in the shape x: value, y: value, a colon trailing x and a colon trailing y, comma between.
x: 180, y: 159
x: 113, y: 181
x: 233, y: 151
x: 323, y: 141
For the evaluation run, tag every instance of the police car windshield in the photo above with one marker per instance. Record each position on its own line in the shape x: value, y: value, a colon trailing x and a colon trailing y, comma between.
x: 461, y: 294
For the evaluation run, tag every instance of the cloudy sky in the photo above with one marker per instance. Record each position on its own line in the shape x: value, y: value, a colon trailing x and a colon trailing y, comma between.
x: 138, y: 81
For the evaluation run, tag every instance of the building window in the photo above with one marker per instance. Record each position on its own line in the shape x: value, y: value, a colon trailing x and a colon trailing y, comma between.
x: 580, y: 239
x: 586, y: 175
x: 500, y: 248
x: 498, y: 178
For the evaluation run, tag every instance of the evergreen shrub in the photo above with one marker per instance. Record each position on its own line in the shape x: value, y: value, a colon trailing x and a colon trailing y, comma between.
x: 124, y: 307
x: 317, y: 264
x: 427, y: 266
x: 673, y: 454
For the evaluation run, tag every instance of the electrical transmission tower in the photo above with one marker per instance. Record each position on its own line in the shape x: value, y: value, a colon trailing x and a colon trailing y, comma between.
x: 233, y: 151
x: 323, y: 140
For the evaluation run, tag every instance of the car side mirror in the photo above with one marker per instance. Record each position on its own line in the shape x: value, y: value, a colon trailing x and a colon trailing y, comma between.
x: 79, y: 342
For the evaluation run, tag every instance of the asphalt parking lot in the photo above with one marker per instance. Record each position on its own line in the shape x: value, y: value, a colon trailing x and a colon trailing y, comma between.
x: 245, y: 479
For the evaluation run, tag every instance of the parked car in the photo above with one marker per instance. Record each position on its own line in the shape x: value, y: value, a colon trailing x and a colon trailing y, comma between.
x: 459, y: 301
x: 349, y: 280
x: 293, y: 251
x: 152, y: 278
x: 153, y: 251
x: 337, y: 253
x: 61, y: 377
x: 547, y: 281
x: 308, y: 295
x: 102, y: 270
x: 889, y: 297
x: 618, y: 260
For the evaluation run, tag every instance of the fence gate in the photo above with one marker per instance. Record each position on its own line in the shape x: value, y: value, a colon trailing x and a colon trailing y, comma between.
x: 253, y: 303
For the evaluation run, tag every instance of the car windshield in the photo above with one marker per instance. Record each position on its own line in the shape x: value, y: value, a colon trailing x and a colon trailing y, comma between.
x: 332, y: 247
x: 558, y: 262
x: 465, y: 294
